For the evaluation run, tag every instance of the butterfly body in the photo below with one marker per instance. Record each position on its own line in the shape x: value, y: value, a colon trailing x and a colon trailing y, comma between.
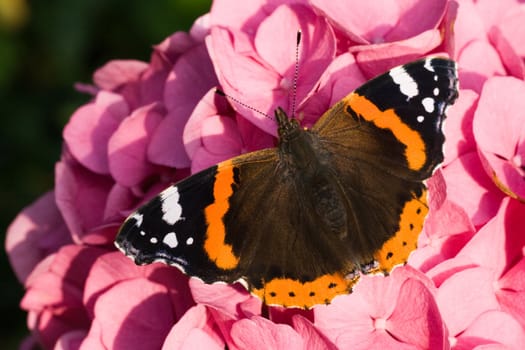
x: 298, y: 224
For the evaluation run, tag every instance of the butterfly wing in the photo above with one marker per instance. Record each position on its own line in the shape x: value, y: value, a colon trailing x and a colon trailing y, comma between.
x: 385, y: 139
x: 183, y: 225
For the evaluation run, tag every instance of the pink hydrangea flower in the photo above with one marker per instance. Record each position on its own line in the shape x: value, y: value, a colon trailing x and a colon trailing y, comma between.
x: 399, y: 312
x: 152, y: 123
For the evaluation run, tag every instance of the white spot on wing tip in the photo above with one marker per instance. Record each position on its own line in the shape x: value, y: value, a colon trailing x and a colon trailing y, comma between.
x: 189, y: 241
x: 407, y: 85
x: 428, y: 65
x: 428, y: 103
x: 171, y: 240
x: 138, y: 219
x: 171, y: 208
x: 154, y: 240
x: 420, y: 119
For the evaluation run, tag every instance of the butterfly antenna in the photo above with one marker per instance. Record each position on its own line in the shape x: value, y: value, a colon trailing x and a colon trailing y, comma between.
x: 296, y: 73
x: 240, y: 103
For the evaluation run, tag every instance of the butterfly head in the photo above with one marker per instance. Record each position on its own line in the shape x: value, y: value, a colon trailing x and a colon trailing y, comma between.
x: 287, y: 128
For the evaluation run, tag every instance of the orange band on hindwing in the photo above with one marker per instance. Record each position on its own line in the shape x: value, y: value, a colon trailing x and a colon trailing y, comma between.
x: 215, y: 246
x: 388, y: 119
x: 293, y: 293
x: 396, y: 250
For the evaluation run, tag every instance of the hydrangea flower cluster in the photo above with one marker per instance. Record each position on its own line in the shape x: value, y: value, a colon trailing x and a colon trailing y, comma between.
x: 152, y: 123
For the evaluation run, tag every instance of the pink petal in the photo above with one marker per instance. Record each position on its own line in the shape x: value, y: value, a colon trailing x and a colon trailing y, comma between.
x: 54, y: 293
x: 468, y: 26
x: 220, y: 141
x: 223, y: 297
x: 465, y: 296
x: 120, y: 200
x: 116, y: 73
x: 494, y: 12
x: 453, y: 219
x: 443, y: 271
x: 498, y: 118
x: 512, y: 62
x: 445, y: 233
x: 197, y: 339
x: 376, y: 59
x: 382, y: 21
x: 245, y: 73
x: 279, y: 314
x: 340, y: 78
x: 51, y: 325
x: 372, y: 303
x: 511, y: 293
x: 341, y: 327
x: 494, y: 327
x: 127, y: 147
x: 220, y: 134
x: 62, y: 281
x: 381, y: 290
x: 253, y: 138
x: 113, y: 268
x: 469, y: 186
x: 458, y: 127
x: 474, y: 72
x: 313, y: 339
x: 191, y: 78
x: 107, y: 271
x: 90, y: 127
x: 79, y: 194
x: 512, y: 28
x: 93, y: 339
x: 171, y: 48
x: 227, y: 303
x: 416, y: 319
x: 247, y: 14
x: 447, y: 228
x: 36, y: 232
x: 498, y: 244
x: 140, y: 320
x: 194, y: 330
x: 242, y: 77
x: 260, y: 333
x: 437, y: 190
x: 282, y: 22
x: 210, y: 105
x: 211, y: 118
x: 205, y: 158
x: 70, y: 340
x: 317, y: 47
x: 150, y: 88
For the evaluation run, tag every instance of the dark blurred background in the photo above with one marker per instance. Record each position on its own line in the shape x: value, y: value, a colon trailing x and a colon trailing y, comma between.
x: 45, y: 47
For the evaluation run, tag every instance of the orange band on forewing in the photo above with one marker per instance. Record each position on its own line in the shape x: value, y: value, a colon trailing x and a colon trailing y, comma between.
x: 218, y: 251
x: 415, y: 146
x: 293, y: 293
x: 396, y: 250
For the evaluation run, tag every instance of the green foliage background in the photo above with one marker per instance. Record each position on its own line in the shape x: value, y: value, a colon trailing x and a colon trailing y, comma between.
x: 52, y: 45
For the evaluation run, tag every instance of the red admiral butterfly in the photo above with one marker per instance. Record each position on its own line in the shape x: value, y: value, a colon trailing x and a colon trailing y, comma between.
x: 298, y: 224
